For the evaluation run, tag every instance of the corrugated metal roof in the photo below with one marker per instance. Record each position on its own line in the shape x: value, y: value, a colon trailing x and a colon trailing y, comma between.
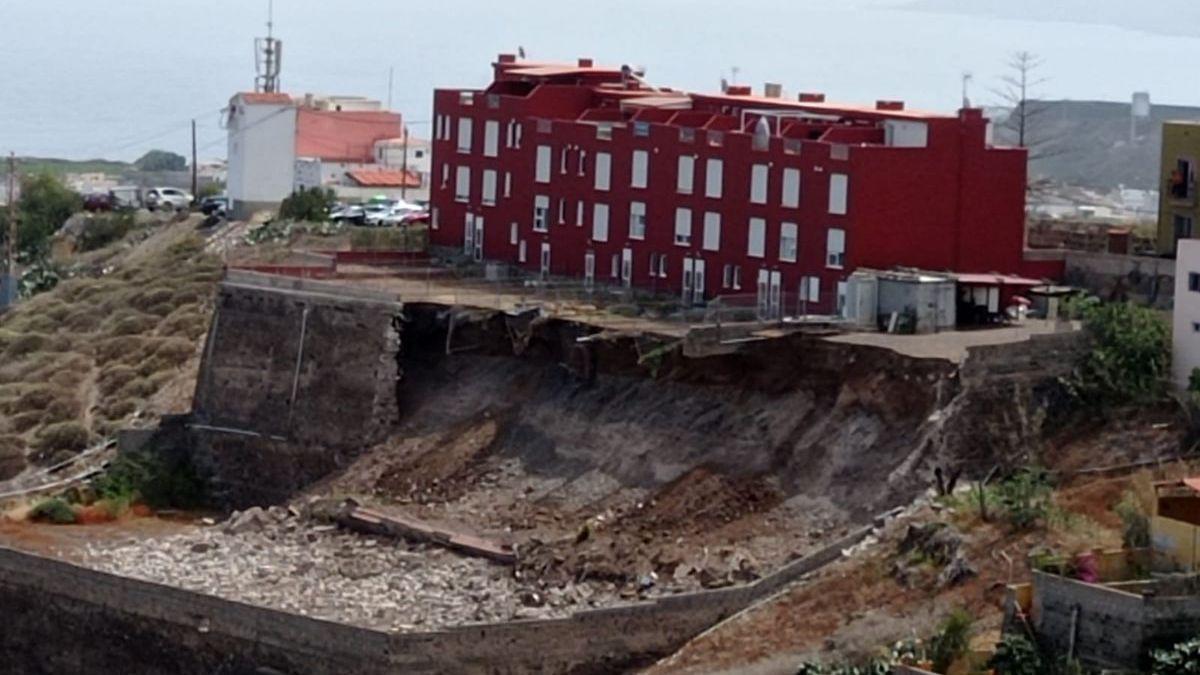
x: 996, y: 280
x: 385, y: 178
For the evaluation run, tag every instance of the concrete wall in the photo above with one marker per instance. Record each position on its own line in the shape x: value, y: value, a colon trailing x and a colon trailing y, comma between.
x: 63, y: 618
x: 294, y: 383
x: 1141, y: 278
x: 1113, y: 628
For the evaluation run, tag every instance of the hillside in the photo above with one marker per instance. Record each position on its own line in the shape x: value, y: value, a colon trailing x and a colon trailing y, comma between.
x: 1087, y: 143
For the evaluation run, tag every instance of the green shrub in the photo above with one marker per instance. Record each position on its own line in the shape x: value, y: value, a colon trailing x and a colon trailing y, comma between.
x: 307, y: 205
x: 1025, y: 497
x: 101, y: 231
x: 1182, y: 659
x: 151, y: 478
x: 55, y: 511
x: 1135, y: 524
x: 1016, y: 655
x: 952, y: 640
x: 1130, y: 358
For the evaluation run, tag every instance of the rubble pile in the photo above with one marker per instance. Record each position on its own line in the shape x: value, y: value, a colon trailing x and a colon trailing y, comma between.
x: 279, y: 559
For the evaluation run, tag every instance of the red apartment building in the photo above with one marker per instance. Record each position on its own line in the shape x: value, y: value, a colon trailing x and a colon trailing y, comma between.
x: 586, y: 171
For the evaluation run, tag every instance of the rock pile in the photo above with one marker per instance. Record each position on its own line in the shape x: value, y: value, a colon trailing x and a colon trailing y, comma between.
x: 276, y: 558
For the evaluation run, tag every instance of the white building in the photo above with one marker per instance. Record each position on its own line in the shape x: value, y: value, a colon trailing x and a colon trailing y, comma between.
x: 1185, y: 340
x: 278, y: 143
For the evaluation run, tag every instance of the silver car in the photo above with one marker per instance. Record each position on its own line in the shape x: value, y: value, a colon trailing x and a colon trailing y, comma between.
x: 167, y: 199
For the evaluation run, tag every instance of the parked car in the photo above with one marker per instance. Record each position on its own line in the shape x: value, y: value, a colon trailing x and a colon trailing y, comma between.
x: 98, y: 201
x: 350, y: 213
x: 415, y: 218
x: 126, y: 197
x: 374, y: 213
x: 215, y: 205
x: 168, y: 199
x: 396, y: 215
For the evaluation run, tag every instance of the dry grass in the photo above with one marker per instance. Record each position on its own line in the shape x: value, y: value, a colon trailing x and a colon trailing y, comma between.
x: 78, y: 361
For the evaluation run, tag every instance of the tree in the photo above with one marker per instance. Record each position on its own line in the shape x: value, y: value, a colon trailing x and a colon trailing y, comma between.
x: 307, y: 205
x: 161, y: 160
x: 1018, y: 91
x: 45, y: 204
x: 1130, y: 357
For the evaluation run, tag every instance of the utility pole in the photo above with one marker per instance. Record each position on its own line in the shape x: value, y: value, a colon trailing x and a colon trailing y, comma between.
x: 10, y: 257
x: 966, y: 81
x: 404, y: 169
x: 391, y: 76
x: 195, y: 169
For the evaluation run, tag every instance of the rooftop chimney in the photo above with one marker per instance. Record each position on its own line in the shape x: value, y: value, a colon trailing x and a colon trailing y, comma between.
x: 507, y: 58
x: 889, y: 105
x: 811, y: 97
x: 586, y: 63
x: 773, y: 90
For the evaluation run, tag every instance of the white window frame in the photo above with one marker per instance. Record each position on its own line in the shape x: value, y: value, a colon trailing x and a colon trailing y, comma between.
x: 791, y: 188
x: 712, y: 231
x: 489, y: 187
x: 789, y: 242
x: 641, y: 169
x: 603, y: 171
x: 835, y: 248
x: 637, y: 220
x: 760, y: 176
x: 579, y: 211
x: 756, y: 245
x: 714, y: 178
x: 839, y: 193
x: 507, y: 184
x: 810, y: 289
x: 541, y: 213
x: 445, y: 176
x: 662, y: 266
x: 562, y: 159
x: 683, y: 227
x: 514, y: 233
x: 522, y: 251
x: 562, y: 210
x: 491, y: 138
x: 464, y: 135
x: 462, y: 184
x: 600, y: 222
x: 686, y: 178
x: 583, y: 162
x: 542, y: 168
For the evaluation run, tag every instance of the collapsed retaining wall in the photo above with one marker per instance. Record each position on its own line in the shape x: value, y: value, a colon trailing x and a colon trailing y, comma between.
x: 63, y: 618
x: 294, y: 382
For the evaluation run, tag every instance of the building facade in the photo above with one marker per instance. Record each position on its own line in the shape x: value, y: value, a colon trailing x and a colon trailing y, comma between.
x: 1178, y: 208
x: 590, y: 172
x: 1185, y: 329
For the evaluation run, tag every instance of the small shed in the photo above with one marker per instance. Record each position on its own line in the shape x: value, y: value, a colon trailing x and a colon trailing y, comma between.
x: 983, y: 298
x: 1175, y: 529
x: 906, y: 301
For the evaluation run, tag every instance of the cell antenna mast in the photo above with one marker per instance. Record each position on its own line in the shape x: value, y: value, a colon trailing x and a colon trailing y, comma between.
x: 268, y: 56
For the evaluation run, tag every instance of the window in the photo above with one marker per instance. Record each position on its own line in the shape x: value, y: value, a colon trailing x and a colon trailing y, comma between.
x: 810, y: 289
x: 491, y: 138
x: 603, y: 170
x: 683, y: 227
x: 1182, y: 180
x: 582, y: 162
x: 615, y: 271
x: 727, y: 277
x: 541, y: 205
x: 562, y: 210
x: 522, y: 253
x: 604, y: 132
x: 662, y: 266
x: 687, y: 171
x: 788, y: 235
x: 437, y: 127
x: 841, y: 298
x: 464, y: 134
x: 600, y: 222
x: 445, y: 175
x: 462, y: 184
x: 493, y: 101
x: 507, y: 184
x: 758, y: 183
x: 562, y: 159
x: 489, y: 187
x: 839, y: 187
x: 687, y: 135
x: 435, y: 218
x: 641, y: 129
x: 758, y: 238
x: 1194, y: 282
x: 737, y: 278
x: 517, y: 134
x: 466, y: 98
x: 791, y: 188
x: 542, y: 171
x: 637, y: 220
x: 714, y: 175
x: 510, y: 133
x: 712, y: 231
x: 513, y: 234
x: 653, y: 264
x: 716, y: 138
x: 641, y: 168
x: 579, y: 213
x: 835, y: 248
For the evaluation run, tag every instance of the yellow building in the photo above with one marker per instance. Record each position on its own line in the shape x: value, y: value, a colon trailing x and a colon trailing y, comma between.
x: 1178, y: 208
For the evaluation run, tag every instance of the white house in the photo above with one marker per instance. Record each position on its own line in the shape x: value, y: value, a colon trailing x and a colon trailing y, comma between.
x: 1185, y: 341
x: 278, y: 143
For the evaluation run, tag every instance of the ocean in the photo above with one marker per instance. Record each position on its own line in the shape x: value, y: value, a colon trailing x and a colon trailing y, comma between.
x: 88, y: 79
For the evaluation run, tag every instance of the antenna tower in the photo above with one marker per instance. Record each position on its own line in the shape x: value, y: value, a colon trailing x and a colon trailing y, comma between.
x: 268, y: 56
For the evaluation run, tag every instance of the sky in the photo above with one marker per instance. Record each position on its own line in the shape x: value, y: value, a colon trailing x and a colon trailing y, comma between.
x: 113, y: 79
